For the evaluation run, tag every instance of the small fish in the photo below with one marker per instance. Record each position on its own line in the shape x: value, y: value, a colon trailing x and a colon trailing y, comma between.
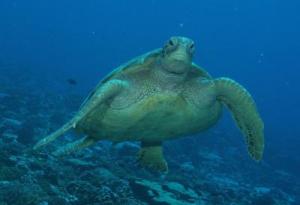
x: 72, y: 81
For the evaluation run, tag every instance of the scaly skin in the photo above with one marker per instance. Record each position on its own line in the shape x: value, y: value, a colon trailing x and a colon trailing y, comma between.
x: 159, y: 96
x: 243, y: 109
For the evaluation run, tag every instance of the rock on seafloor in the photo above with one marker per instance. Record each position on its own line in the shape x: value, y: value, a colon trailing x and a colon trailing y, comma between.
x: 107, y: 174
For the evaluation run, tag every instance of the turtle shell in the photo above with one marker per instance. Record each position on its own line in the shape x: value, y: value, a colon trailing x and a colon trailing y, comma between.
x: 141, y: 62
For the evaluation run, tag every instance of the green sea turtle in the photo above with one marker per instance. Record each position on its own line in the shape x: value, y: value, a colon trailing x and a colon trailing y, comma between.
x: 161, y: 95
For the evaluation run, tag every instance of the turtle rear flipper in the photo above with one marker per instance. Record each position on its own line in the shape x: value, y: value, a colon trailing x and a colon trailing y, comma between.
x: 151, y: 156
x: 243, y: 109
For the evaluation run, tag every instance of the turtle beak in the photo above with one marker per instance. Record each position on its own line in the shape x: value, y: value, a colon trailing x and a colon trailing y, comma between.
x: 182, y: 54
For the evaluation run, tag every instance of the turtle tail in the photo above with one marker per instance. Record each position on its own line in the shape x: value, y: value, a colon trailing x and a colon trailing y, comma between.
x: 244, y: 111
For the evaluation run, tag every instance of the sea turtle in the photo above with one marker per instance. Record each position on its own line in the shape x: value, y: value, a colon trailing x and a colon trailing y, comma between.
x: 161, y: 95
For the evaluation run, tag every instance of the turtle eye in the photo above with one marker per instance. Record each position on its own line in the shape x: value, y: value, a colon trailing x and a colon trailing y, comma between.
x: 191, y: 48
x: 171, y: 43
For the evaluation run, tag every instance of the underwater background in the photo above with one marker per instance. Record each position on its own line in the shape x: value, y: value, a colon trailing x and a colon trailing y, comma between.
x: 52, y: 53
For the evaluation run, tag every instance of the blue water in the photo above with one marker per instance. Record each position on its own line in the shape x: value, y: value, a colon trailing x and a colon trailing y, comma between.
x: 254, y: 42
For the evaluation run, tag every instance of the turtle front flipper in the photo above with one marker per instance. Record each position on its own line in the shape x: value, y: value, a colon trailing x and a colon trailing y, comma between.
x: 54, y: 135
x: 243, y: 109
x: 151, y: 156
x: 74, y: 146
x: 107, y: 91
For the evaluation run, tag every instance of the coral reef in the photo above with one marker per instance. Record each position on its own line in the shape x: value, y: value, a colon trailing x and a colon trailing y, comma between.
x: 107, y: 174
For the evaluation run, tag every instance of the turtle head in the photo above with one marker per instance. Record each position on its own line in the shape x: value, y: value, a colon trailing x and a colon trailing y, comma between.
x: 177, y: 55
